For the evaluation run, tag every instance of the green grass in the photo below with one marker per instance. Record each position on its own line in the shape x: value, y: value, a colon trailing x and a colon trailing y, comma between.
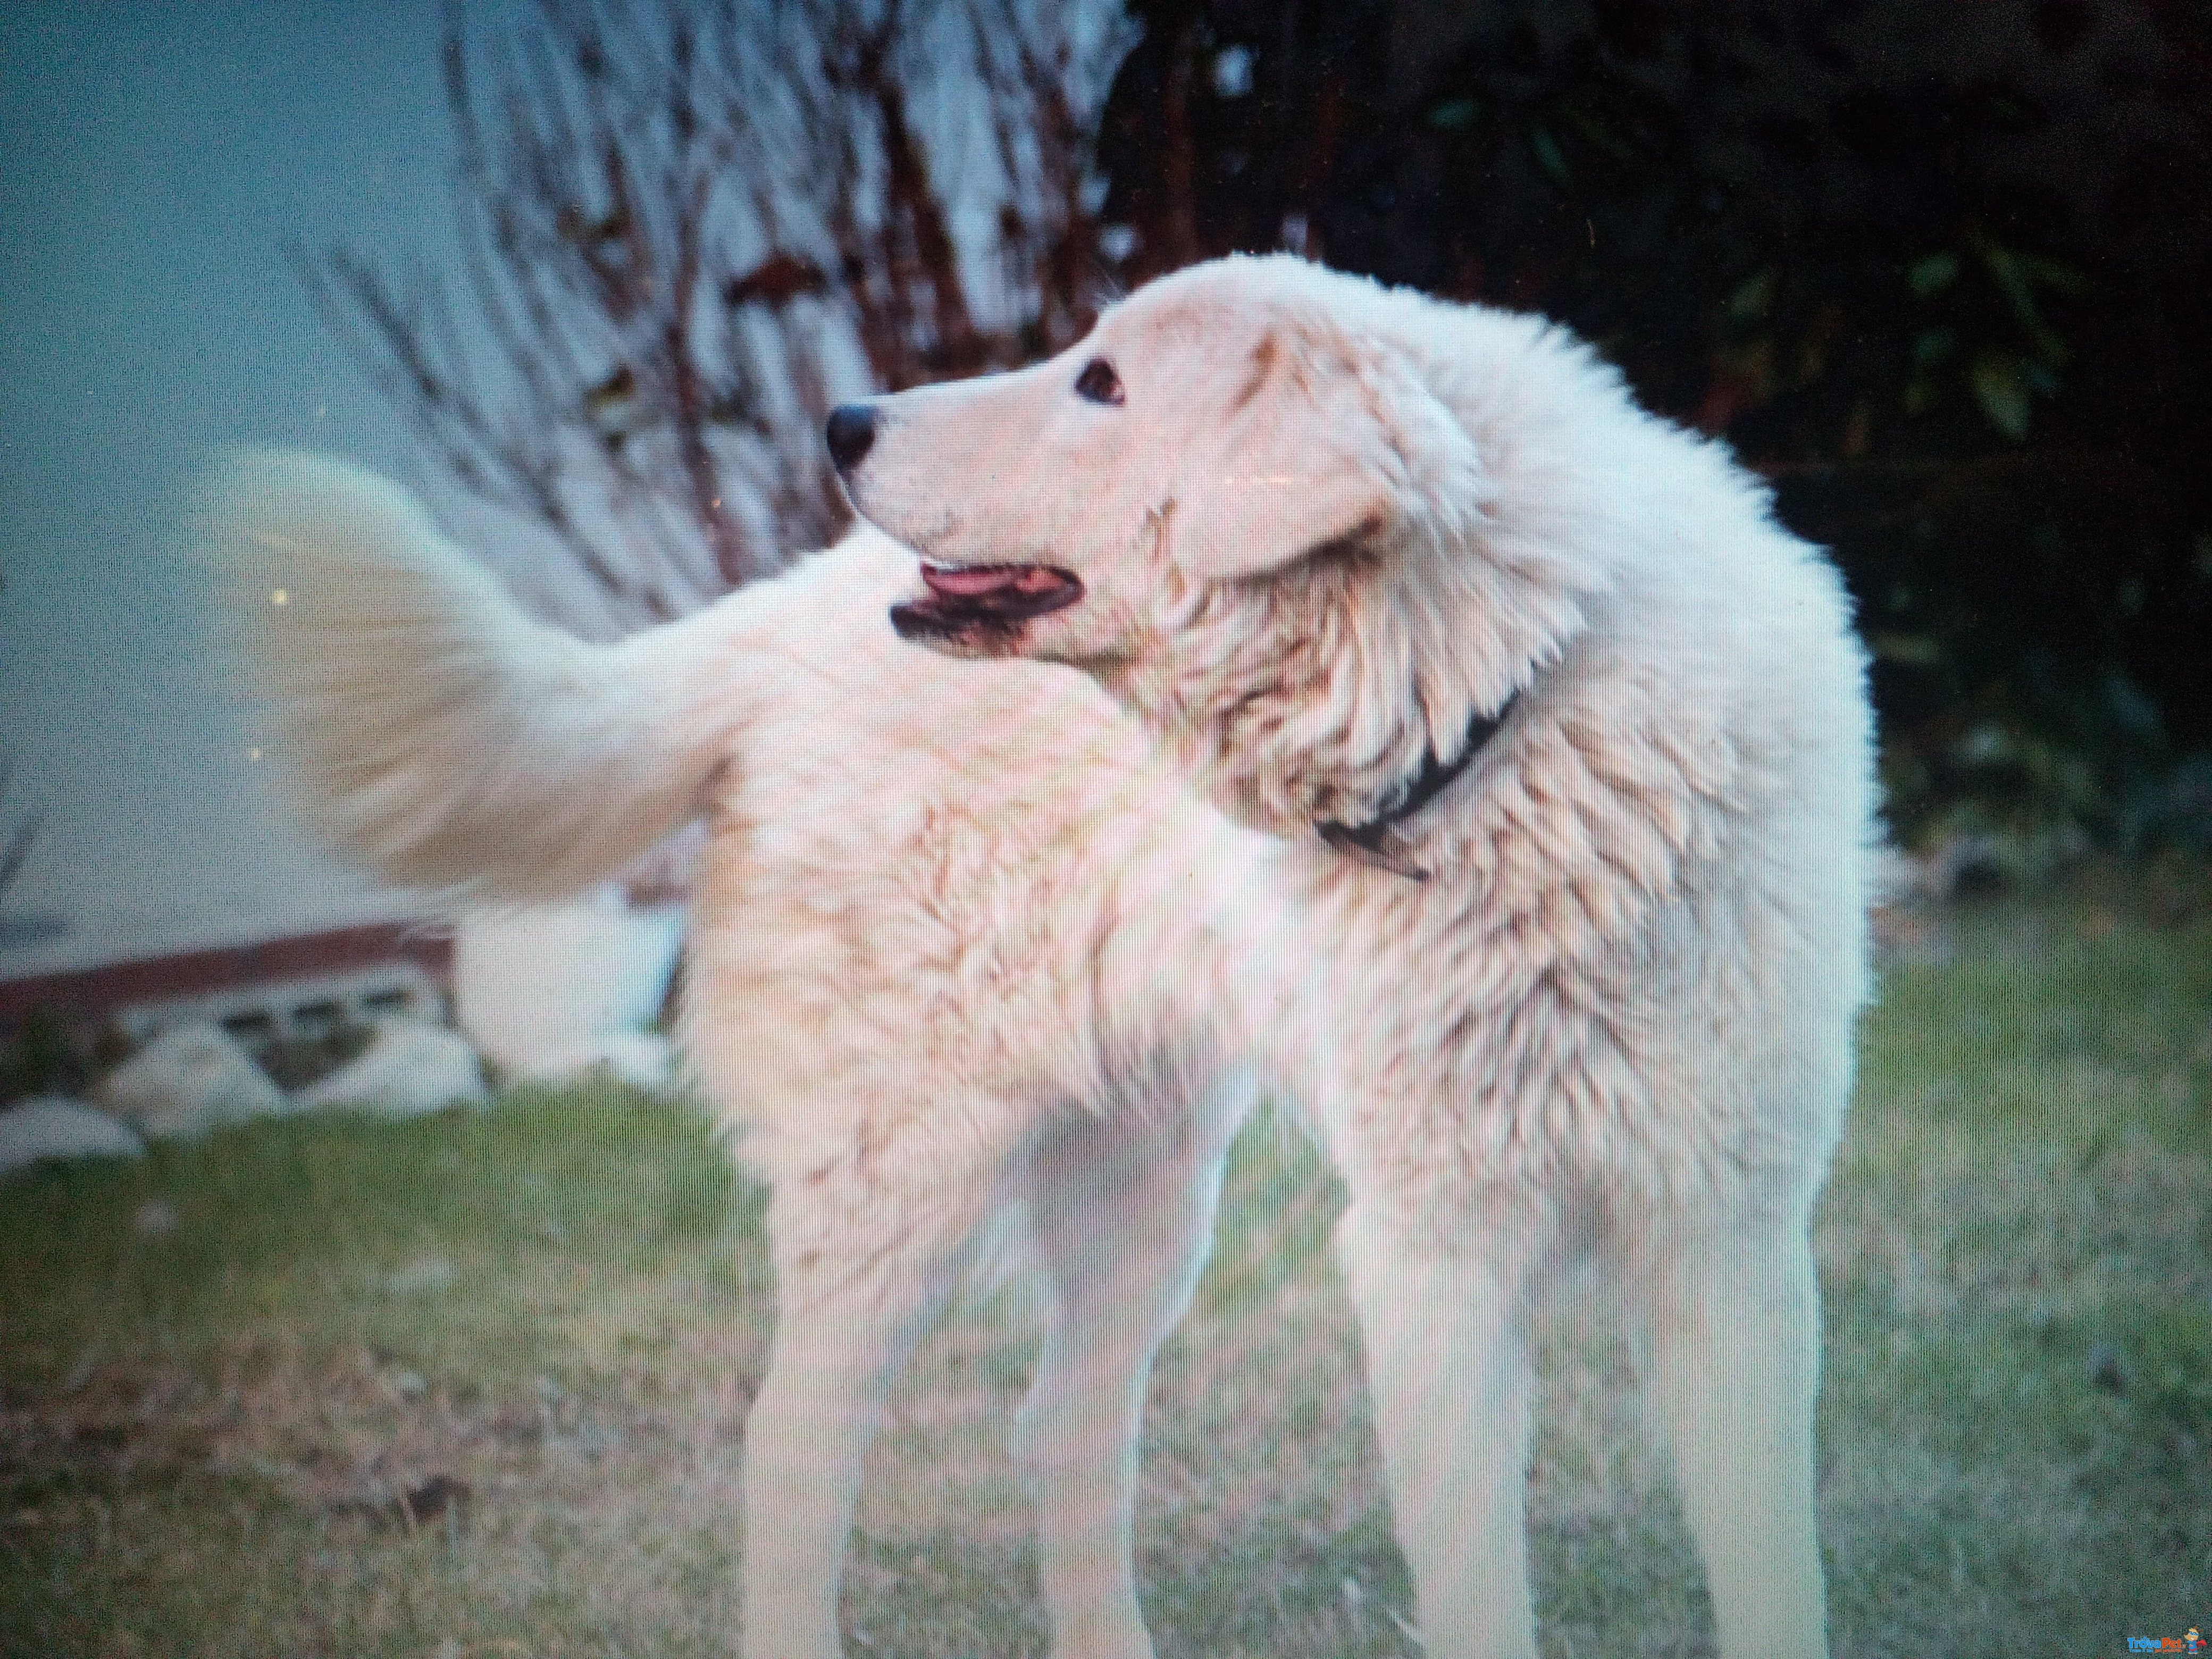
x: 219, y: 1369
x: 2024, y: 1202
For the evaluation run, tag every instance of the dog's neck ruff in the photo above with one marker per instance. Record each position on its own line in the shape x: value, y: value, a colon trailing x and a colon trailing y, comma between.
x: 1376, y: 843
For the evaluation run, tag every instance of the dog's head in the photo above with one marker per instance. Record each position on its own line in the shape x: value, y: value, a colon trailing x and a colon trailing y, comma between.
x: 1239, y: 502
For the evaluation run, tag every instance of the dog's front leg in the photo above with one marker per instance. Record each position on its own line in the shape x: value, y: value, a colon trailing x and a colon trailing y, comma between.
x: 1452, y: 1387
x: 845, y: 1321
x: 1123, y: 1213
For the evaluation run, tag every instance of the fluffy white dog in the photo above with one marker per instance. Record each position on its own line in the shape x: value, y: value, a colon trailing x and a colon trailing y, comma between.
x: 1567, y: 748
x: 961, y: 960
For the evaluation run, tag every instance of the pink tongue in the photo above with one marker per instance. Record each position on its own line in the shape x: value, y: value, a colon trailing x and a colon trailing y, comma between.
x: 973, y: 582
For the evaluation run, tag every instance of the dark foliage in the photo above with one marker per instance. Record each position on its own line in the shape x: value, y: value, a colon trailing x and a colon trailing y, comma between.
x: 1938, y: 271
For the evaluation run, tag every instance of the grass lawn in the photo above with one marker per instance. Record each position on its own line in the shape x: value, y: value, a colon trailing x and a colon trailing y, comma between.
x: 476, y: 1385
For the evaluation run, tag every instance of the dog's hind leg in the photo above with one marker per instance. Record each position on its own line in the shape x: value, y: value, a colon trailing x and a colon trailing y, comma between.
x: 845, y: 1321
x: 1452, y: 1389
x: 1123, y: 1217
x: 1732, y: 1316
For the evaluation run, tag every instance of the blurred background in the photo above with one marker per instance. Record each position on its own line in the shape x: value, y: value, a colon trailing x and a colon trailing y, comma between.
x: 588, y: 276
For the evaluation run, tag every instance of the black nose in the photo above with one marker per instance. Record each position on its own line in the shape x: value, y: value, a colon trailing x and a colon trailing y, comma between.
x: 852, y: 429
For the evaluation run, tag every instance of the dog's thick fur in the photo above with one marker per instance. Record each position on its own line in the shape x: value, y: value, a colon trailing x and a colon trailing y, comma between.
x: 1599, y: 1005
x: 957, y: 963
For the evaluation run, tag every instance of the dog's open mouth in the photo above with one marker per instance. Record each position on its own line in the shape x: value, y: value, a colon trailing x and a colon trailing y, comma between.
x: 983, y: 598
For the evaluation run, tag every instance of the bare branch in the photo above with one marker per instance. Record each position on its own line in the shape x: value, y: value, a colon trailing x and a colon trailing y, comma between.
x: 19, y: 843
x: 683, y: 232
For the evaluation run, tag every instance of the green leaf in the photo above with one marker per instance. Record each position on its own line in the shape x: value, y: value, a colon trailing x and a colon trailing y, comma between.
x: 1933, y: 346
x: 2002, y: 390
x: 1550, y: 157
x: 2012, y: 277
x: 1913, y: 650
x: 2053, y: 274
x: 1600, y: 133
x: 1753, y: 299
x: 1930, y: 274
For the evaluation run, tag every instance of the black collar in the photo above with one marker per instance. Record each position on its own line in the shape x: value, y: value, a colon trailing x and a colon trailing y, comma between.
x: 1376, y: 842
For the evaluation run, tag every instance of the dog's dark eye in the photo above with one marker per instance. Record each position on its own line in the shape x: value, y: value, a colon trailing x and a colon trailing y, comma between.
x: 1098, y: 382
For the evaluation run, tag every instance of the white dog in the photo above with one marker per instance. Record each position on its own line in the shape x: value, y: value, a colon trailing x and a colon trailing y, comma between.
x: 958, y: 957
x: 1567, y: 748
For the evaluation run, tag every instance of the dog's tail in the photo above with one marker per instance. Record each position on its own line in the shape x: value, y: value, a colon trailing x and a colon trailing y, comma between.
x: 433, y: 729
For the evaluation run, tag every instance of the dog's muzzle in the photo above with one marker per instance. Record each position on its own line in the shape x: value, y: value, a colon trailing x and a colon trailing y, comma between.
x: 984, y: 598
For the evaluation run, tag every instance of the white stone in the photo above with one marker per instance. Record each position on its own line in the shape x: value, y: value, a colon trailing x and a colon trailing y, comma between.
x: 409, y: 1068
x: 531, y: 985
x: 644, y: 1059
x: 47, y: 1126
x: 187, y: 1081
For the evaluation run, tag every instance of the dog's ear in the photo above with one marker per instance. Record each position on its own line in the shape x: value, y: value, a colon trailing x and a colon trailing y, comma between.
x: 1312, y: 454
x: 1300, y: 461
